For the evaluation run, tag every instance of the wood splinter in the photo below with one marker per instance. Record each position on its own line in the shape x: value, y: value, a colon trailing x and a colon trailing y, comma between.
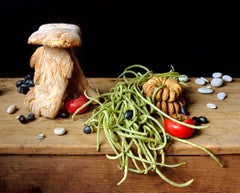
x: 58, y: 74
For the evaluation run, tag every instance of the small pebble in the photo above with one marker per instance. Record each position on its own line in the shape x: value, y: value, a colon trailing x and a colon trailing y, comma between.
x: 183, y: 78
x: 221, y: 95
x: 12, y: 108
x: 217, y: 82
x: 217, y: 75
x: 200, y: 81
x: 227, y: 78
x: 211, y: 106
x: 59, y: 131
x: 40, y: 136
x: 205, y: 90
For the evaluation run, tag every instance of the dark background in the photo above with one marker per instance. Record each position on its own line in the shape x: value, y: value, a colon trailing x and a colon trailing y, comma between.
x: 197, y: 37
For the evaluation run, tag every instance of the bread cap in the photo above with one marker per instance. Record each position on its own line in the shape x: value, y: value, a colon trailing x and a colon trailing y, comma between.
x: 57, y: 35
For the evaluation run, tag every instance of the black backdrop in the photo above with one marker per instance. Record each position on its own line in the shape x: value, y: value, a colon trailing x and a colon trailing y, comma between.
x: 197, y: 37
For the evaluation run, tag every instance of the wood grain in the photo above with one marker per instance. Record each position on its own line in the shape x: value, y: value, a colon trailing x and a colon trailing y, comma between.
x: 96, y: 174
x: 222, y: 137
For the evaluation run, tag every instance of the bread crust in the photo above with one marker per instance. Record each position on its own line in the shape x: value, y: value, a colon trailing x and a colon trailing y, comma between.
x: 56, y: 35
x: 53, y: 68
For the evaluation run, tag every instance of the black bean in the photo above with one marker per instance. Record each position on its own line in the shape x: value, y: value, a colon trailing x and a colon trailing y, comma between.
x: 22, y: 119
x: 196, y: 120
x: 128, y: 114
x: 23, y: 88
x: 28, y: 77
x: 87, y: 129
x: 63, y: 114
x: 183, y: 110
x: 31, y: 117
x: 29, y: 83
x: 19, y: 82
x: 203, y: 119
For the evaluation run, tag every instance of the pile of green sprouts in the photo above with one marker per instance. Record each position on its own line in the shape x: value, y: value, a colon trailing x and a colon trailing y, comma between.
x: 138, y: 143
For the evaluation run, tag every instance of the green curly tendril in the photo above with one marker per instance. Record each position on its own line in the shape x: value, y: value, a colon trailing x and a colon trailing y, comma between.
x: 138, y: 143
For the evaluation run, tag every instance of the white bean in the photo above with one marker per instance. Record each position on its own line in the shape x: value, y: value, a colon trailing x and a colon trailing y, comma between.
x: 40, y: 136
x: 205, y: 90
x: 200, y: 81
x: 221, y: 95
x: 183, y: 78
x: 217, y: 75
x: 59, y: 131
x: 211, y: 106
x: 204, y: 79
x: 217, y: 82
x: 12, y: 108
x: 227, y: 78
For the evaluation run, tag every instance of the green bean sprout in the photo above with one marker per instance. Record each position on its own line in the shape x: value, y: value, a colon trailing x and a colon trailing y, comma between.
x: 138, y: 142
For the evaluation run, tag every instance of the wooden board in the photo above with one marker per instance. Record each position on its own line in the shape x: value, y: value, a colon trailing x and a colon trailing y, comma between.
x: 222, y: 137
x: 97, y: 174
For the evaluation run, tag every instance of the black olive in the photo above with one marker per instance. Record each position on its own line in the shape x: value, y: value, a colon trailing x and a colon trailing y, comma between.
x: 22, y: 119
x: 30, y: 117
x: 196, y: 120
x: 203, y: 119
x: 87, y: 129
x: 128, y: 114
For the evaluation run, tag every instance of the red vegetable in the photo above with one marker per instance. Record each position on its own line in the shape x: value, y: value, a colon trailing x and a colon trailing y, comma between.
x: 177, y: 130
x: 73, y: 104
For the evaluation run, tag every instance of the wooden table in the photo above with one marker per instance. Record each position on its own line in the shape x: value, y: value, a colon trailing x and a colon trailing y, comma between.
x: 71, y: 164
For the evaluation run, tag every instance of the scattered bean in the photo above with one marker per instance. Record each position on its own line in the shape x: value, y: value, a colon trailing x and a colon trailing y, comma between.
x: 59, y: 131
x: 128, y: 114
x: 211, y: 106
x: 63, y: 114
x: 227, y: 78
x: 217, y: 75
x: 22, y: 119
x: 183, y: 110
x: 203, y: 119
x: 221, y: 95
x: 31, y: 117
x: 40, y: 136
x: 12, y: 108
x: 205, y: 90
x: 183, y: 78
x: 217, y: 82
x: 200, y: 81
x: 87, y: 129
x: 204, y: 79
x: 196, y: 121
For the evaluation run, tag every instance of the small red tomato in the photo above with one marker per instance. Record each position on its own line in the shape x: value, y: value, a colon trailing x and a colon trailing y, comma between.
x: 178, y: 130
x: 73, y: 104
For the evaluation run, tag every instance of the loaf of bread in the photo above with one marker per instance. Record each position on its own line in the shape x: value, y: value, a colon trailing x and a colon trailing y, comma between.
x: 58, y: 74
